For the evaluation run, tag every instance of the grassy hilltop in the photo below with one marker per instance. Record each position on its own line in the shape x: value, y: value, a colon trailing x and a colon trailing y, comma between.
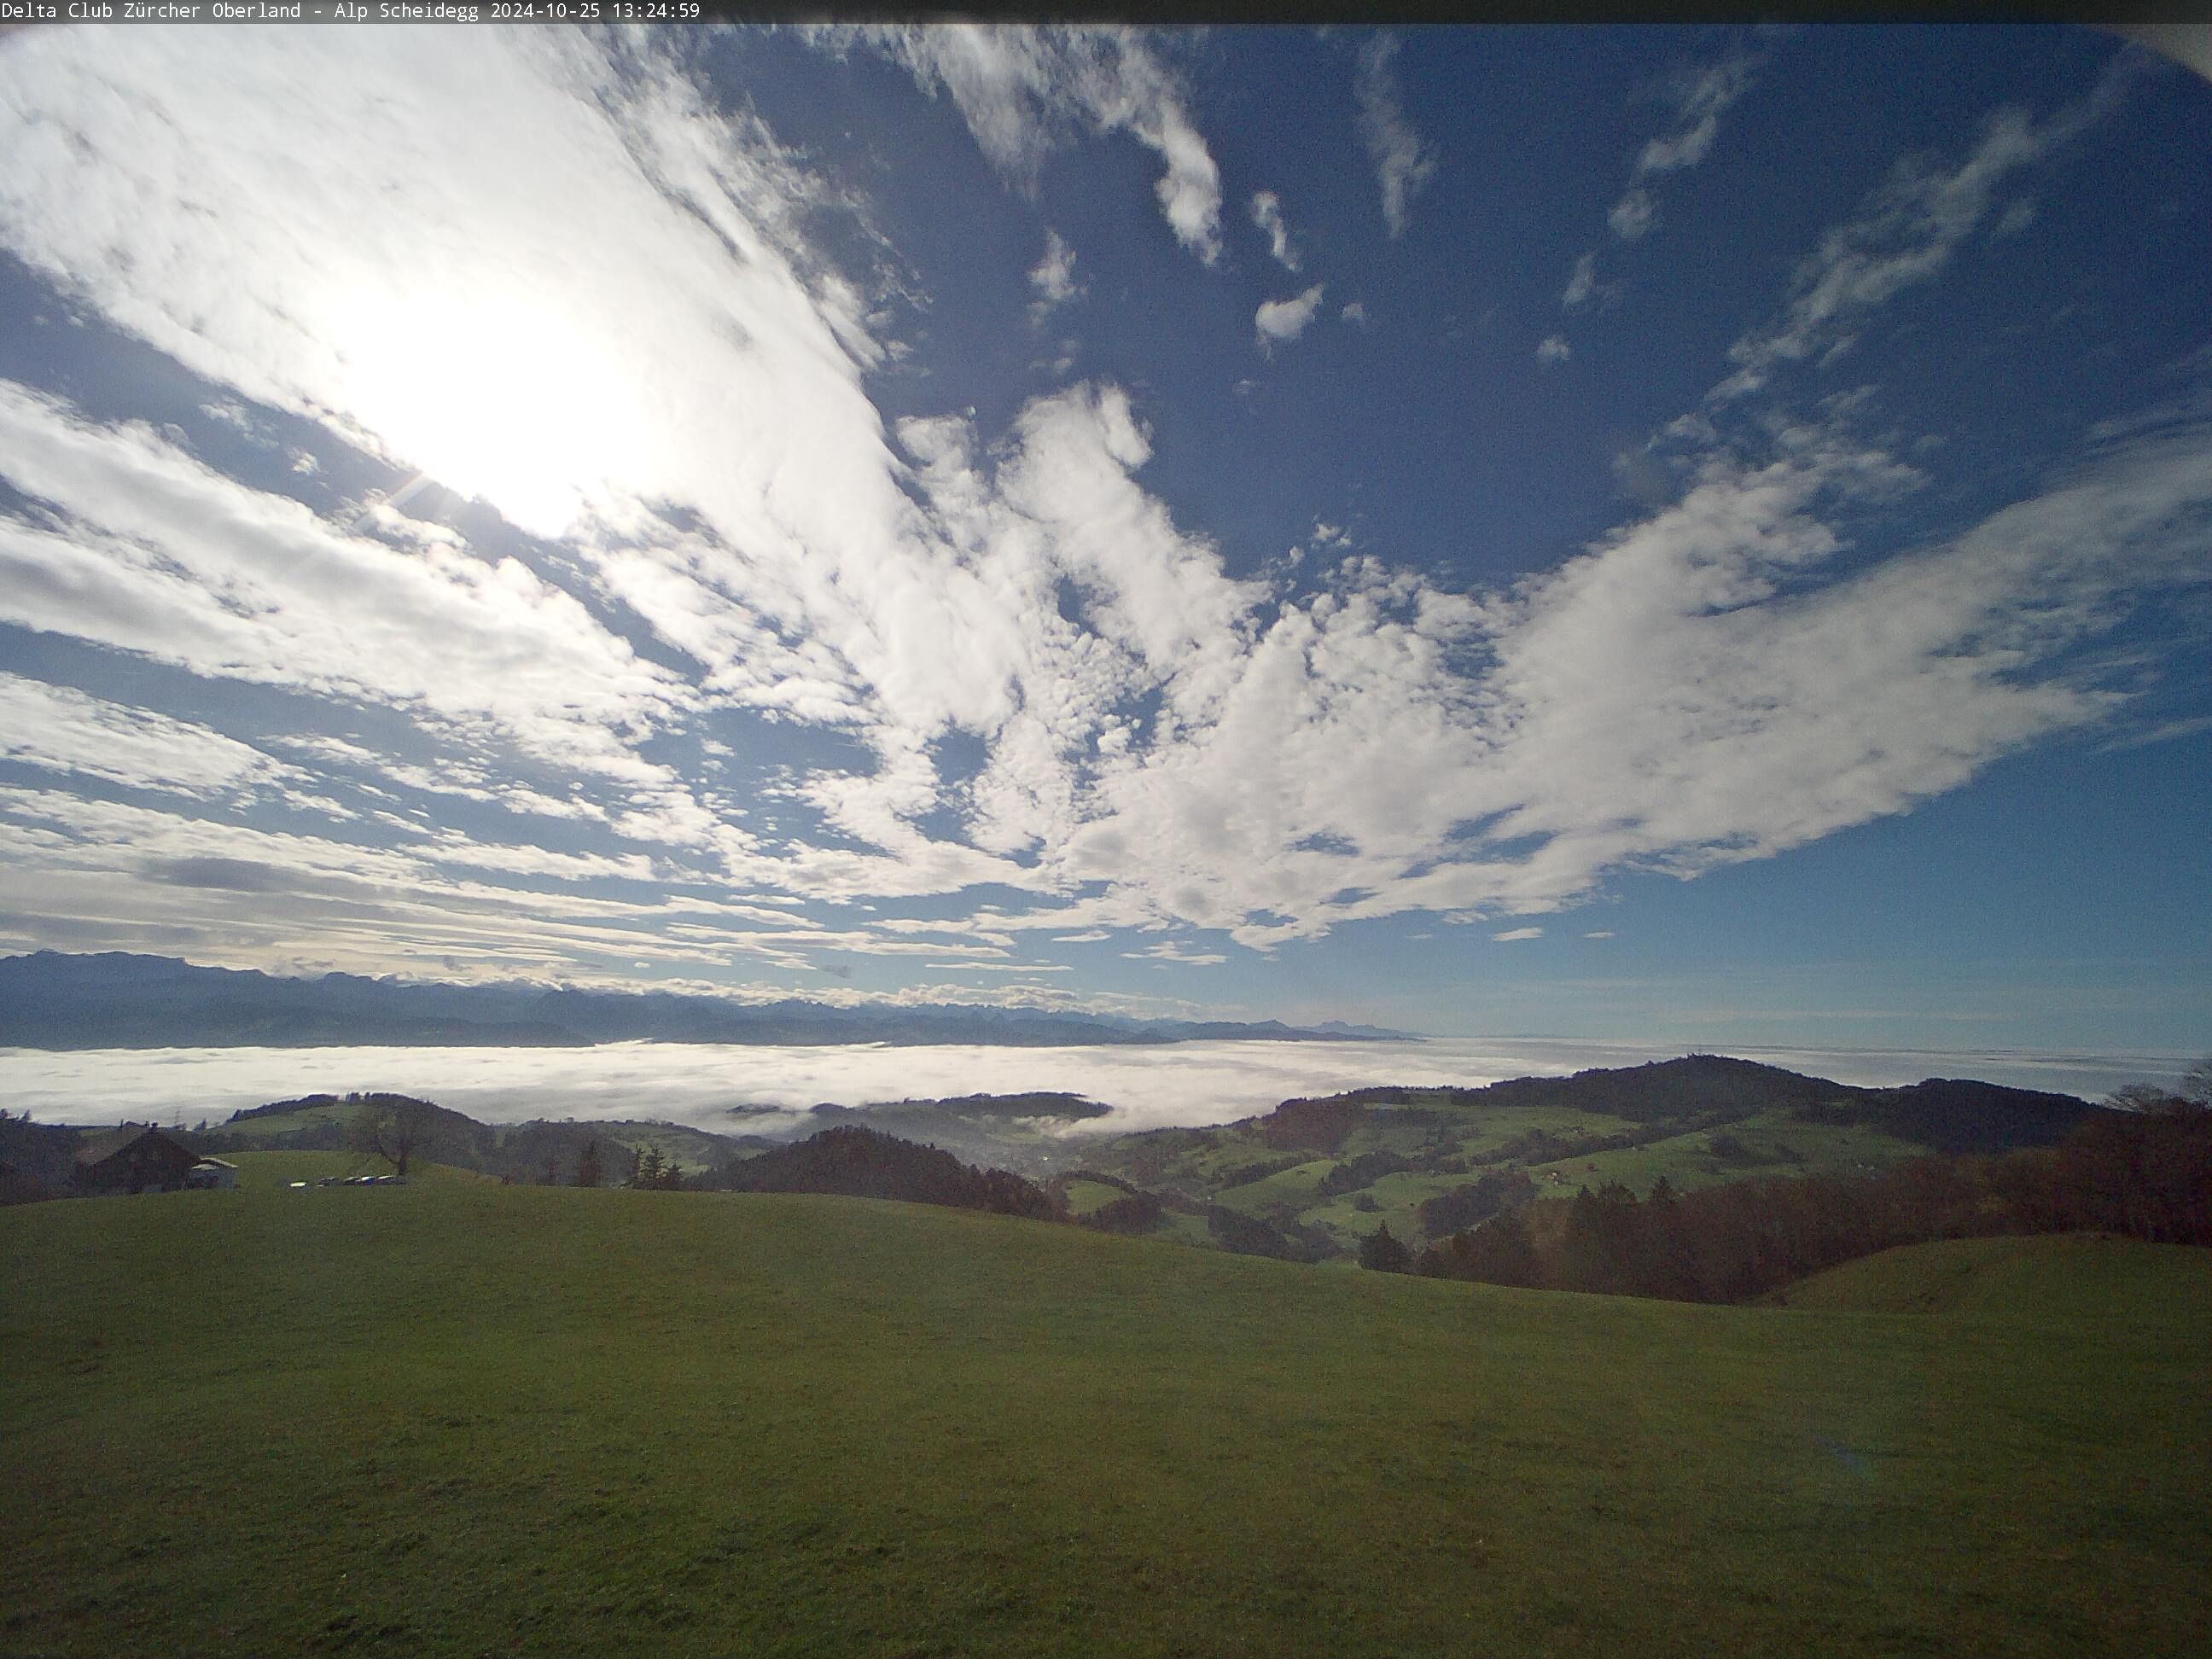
x: 457, y: 1417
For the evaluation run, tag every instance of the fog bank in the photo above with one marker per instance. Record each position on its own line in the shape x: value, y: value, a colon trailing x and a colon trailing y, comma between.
x: 699, y: 1084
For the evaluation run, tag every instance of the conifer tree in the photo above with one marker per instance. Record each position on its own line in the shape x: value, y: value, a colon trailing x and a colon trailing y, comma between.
x: 1384, y: 1253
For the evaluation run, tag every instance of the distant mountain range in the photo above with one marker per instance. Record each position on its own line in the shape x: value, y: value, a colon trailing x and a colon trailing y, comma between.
x: 51, y: 999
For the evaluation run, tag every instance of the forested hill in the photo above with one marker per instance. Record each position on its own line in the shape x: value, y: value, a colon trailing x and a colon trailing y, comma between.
x: 1324, y: 1173
x: 374, y: 1128
x: 49, y: 999
x: 539, y: 1153
x: 852, y: 1162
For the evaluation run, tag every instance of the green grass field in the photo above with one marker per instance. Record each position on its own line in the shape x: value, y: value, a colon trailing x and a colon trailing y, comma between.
x: 259, y: 1170
x: 1463, y: 1130
x: 461, y: 1419
x: 1085, y: 1196
x: 2073, y: 1281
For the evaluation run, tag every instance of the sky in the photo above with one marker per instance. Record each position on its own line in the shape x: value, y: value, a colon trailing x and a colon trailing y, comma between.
x: 1685, y: 535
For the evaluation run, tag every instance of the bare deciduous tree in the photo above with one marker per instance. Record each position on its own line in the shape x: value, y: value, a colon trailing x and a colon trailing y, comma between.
x: 395, y: 1129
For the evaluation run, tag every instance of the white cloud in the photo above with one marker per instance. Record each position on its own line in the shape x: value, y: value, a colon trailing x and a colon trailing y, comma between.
x: 1053, y: 276
x: 1782, y: 711
x: 62, y: 730
x: 1582, y: 283
x: 1014, y: 85
x: 156, y: 553
x: 1279, y: 321
x: 1403, y: 162
x: 1001, y: 967
x: 1355, y: 314
x: 1268, y: 215
x: 2165, y: 732
x: 1601, y: 933
x: 2016, y: 218
x: 1160, y: 742
x: 1513, y: 934
x: 227, y: 412
x: 1700, y: 97
x: 1905, y: 233
x: 152, y: 880
x: 1693, y: 690
x: 1633, y: 215
x: 1174, y: 951
x: 1697, y: 97
x: 1553, y: 348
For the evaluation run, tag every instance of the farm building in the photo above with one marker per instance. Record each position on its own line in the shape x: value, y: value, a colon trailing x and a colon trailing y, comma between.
x: 211, y: 1175
x: 134, y: 1158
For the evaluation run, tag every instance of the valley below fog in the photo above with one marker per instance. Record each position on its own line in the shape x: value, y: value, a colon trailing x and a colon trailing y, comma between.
x: 699, y: 1084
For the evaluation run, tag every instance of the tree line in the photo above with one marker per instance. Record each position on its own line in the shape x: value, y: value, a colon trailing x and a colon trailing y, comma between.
x: 2143, y: 1172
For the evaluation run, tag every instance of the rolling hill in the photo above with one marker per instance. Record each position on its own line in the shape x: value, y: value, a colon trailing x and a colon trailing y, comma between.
x: 1430, y: 1162
x: 2079, y: 1280
x: 453, y: 1418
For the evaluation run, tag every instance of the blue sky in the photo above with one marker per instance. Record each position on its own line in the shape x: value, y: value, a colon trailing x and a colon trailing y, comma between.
x: 1666, y: 535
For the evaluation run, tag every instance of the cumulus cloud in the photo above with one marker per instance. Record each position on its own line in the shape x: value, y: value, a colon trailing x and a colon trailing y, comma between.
x: 1513, y: 934
x: 1355, y: 314
x: 1268, y: 215
x: 1016, y: 87
x: 1554, y: 349
x: 1404, y: 163
x: 1279, y: 321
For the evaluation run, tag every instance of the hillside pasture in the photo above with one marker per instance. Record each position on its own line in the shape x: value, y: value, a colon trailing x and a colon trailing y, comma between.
x: 1772, y: 1143
x: 259, y: 1170
x: 2076, y: 1281
x: 455, y: 1418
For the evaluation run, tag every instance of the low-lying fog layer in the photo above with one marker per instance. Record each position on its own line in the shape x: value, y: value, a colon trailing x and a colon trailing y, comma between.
x: 1190, y: 1083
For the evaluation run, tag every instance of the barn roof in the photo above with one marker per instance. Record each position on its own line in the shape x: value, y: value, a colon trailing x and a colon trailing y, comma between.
x: 100, y: 1148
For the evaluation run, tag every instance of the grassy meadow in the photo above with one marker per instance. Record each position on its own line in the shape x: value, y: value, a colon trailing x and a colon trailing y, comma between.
x: 260, y: 1170
x: 455, y: 1418
x: 1234, y: 1165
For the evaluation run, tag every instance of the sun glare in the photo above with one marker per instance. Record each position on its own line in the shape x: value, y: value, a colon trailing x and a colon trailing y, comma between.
x: 516, y: 405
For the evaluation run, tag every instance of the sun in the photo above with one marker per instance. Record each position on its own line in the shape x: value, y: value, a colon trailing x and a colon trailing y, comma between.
x: 521, y: 403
